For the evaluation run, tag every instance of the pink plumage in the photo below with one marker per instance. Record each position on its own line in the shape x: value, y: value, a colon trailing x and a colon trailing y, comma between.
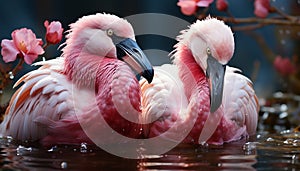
x: 185, y: 101
x: 62, y: 101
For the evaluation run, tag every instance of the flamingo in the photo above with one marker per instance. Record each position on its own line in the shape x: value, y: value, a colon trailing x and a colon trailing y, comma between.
x: 206, y: 101
x: 60, y: 102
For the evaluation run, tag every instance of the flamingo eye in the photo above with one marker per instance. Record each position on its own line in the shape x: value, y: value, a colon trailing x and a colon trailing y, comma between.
x: 110, y: 32
x: 208, y: 51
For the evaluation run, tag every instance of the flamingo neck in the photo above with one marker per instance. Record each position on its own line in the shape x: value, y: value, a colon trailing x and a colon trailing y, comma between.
x: 83, y: 72
x: 189, y: 71
x: 118, y: 96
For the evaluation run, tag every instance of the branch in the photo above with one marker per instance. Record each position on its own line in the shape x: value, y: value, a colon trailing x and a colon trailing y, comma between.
x: 252, y: 23
x: 5, y: 76
x: 264, y: 21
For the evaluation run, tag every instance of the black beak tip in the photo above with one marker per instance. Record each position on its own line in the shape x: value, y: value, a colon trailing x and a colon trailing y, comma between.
x: 148, y: 75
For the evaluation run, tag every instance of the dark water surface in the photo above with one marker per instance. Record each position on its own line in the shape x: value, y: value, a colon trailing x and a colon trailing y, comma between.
x: 280, y: 151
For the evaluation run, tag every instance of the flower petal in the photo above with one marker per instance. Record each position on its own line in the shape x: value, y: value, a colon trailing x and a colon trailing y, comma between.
x: 9, y: 50
x: 29, y: 58
x: 284, y: 66
x: 222, y: 5
x: 204, y: 3
x: 187, y: 7
x: 26, y: 44
x: 54, y: 32
x: 38, y: 50
x: 261, y: 8
x: 46, y: 23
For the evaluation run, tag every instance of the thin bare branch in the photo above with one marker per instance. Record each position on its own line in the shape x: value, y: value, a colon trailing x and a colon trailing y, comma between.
x: 264, y: 21
x: 252, y: 23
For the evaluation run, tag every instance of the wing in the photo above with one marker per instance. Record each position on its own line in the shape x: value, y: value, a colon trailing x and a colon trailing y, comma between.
x: 162, y: 99
x: 45, y: 97
x: 239, y: 100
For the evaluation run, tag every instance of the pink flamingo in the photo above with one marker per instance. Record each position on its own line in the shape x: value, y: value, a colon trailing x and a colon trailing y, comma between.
x: 189, y: 95
x: 62, y: 100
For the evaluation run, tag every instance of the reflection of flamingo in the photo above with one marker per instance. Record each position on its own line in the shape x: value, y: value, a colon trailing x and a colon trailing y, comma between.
x: 81, y: 84
x: 195, y: 92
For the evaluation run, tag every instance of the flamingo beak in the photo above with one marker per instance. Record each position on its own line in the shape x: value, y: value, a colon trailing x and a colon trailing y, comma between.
x: 215, y: 73
x: 129, y: 52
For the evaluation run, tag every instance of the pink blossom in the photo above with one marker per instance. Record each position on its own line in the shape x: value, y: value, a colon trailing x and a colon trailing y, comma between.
x: 189, y: 7
x: 24, y: 43
x: 261, y: 8
x: 204, y: 3
x: 54, y: 31
x: 222, y: 5
x: 284, y: 66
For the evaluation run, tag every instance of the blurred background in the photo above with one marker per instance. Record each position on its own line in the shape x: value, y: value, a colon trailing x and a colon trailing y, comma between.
x: 254, y: 52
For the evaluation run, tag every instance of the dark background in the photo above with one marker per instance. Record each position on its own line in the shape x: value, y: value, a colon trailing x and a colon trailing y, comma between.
x: 15, y: 14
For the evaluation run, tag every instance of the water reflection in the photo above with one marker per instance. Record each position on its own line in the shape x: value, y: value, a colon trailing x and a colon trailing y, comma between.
x: 279, y: 151
x: 188, y: 157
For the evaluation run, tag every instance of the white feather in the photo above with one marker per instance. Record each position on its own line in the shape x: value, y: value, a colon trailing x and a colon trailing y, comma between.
x: 30, y: 117
x: 239, y: 100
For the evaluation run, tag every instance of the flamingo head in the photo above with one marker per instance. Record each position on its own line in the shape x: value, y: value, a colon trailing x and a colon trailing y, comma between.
x: 106, y: 36
x: 211, y: 43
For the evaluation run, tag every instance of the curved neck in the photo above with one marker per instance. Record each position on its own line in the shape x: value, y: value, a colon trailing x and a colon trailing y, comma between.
x: 190, y: 72
x: 82, y: 71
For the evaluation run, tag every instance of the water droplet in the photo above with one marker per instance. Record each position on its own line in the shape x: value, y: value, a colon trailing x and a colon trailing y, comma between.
x: 283, y: 107
x: 83, y: 147
x: 285, y: 132
x: 21, y: 149
x: 283, y: 115
x: 1, y: 91
x: 249, y: 146
x: 11, y: 75
x: 288, y: 141
x: 64, y: 165
x: 258, y: 136
x: 270, y: 139
x: 54, y: 148
x: 9, y: 139
x: 294, y: 159
x: 283, y: 42
x: 204, y: 144
x: 296, y: 143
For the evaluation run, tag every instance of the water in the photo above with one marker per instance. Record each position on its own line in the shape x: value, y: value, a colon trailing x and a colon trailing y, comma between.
x: 279, y: 151
x: 276, y: 146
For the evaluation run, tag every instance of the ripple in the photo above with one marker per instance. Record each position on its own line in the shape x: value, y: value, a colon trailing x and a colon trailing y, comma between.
x: 264, y: 152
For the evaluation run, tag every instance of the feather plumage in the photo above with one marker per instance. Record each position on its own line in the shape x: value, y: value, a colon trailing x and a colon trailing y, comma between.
x: 237, y: 115
x: 62, y: 101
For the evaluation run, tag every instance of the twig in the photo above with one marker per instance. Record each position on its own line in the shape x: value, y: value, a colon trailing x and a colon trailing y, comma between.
x: 252, y: 23
x: 248, y: 27
x: 264, y: 21
x: 5, y: 76
x: 18, y: 66
x: 289, y: 17
x: 45, y: 45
